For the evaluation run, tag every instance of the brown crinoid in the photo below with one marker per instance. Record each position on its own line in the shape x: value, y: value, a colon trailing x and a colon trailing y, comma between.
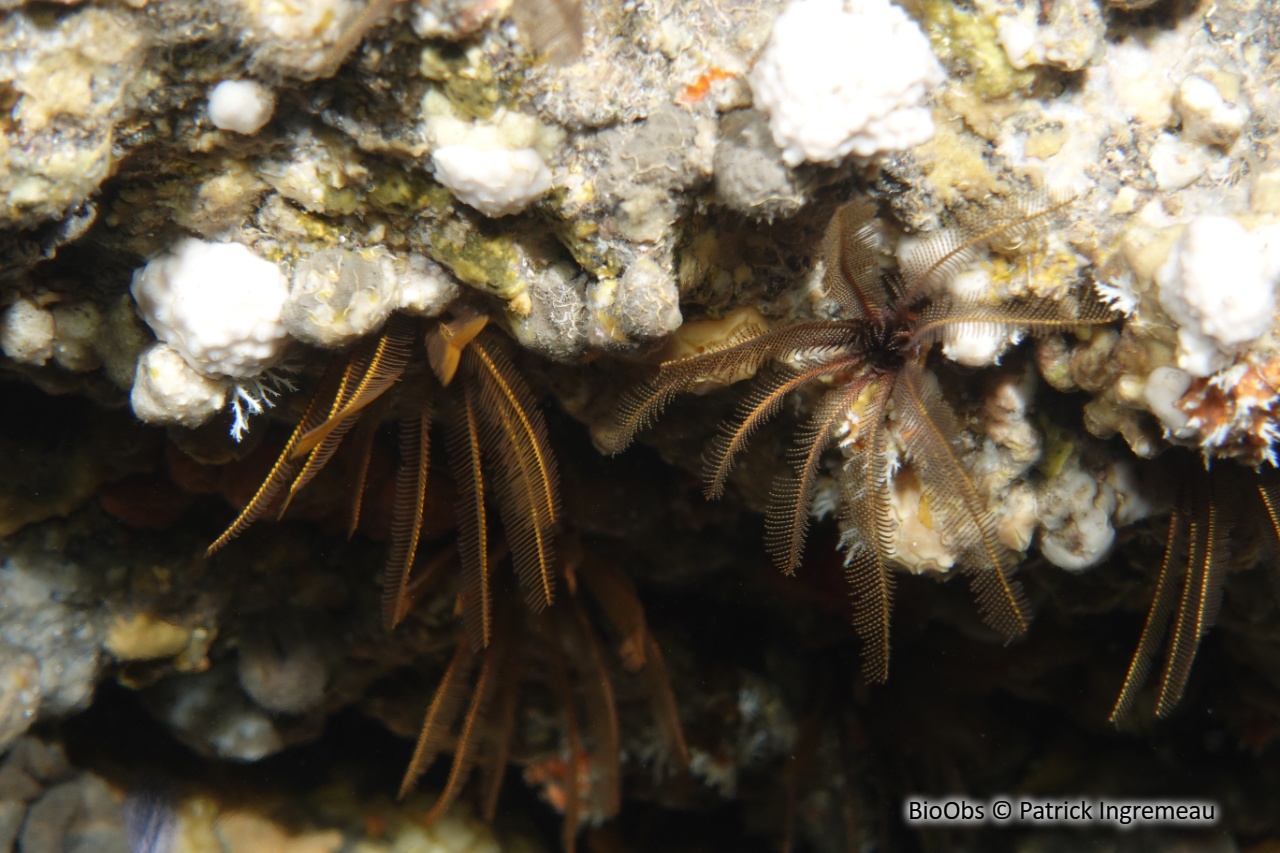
x: 881, y: 405
x: 497, y: 442
x: 1209, y: 509
x: 561, y: 650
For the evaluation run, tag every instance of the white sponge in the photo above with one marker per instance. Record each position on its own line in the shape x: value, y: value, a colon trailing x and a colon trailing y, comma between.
x: 27, y: 332
x: 167, y: 391
x: 495, y: 182
x: 218, y: 305
x: 845, y: 77
x: 498, y: 165
x: 1219, y: 286
x: 241, y: 105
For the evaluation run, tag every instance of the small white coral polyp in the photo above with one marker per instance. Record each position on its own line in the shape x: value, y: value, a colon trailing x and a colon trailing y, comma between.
x: 218, y: 305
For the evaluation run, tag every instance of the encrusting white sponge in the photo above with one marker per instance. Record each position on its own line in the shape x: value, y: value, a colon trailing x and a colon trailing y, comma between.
x: 496, y: 182
x: 167, y: 390
x: 243, y: 106
x: 497, y: 165
x: 840, y: 78
x: 218, y: 305
x: 1219, y: 286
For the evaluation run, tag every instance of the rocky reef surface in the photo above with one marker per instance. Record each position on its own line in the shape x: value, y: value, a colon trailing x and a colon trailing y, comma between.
x: 207, y: 205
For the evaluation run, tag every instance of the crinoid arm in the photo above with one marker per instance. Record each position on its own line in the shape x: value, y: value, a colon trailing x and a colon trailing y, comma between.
x: 929, y: 431
x: 866, y: 518
x: 492, y: 670
x: 1198, y: 605
x: 372, y: 369
x: 286, y: 466
x: 561, y: 682
x: 786, y: 521
x: 466, y: 458
x: 496, y: 677
x: 497, y: 744
x: 450, y: 693
x: 599, y: 704
x: 743, y: 355
x: 406, y: 518
x: 613, y: 591
x: 762, y: 402
x: 853, y: 276
x: 347, y: 389
x: 1001, y: 223
x: 1172, y: 568
x: 1268, y: 486
x: 513, y: 434
x: 1035, y: 317
x: 1187, y: 596
x: 663, y: 701
x: 615, y: 594
x: 363, y: 439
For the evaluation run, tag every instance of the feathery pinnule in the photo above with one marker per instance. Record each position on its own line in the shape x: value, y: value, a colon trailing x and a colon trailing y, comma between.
x: 464, y: 750
x: 514, y: 437
x: 479, y: 739
x: 853, y: 276
x: 1158, y: 615
x: 367, y: 373
x: 366, y: 431
x: 285, y: 466
x: 786, y: 520
x: 1003, y: 222
x: 406, y: 516
x: 334, y: 427
x: 762, y: 402
x: 445, y: 704
x: 504, y: 423
x: 1267, y: 485
x: 466, y: 458
x: 866, y: 514
x: 373, y: 369
x: 744, y: 353
x: 561, y: 648
x: 960, y: 514
x: 1198, y: 604
x: 1189, y: 585
x: 1033, y: 317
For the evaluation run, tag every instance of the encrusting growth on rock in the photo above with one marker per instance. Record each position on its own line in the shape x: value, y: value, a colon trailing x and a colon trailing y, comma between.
x: 882, y: 406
